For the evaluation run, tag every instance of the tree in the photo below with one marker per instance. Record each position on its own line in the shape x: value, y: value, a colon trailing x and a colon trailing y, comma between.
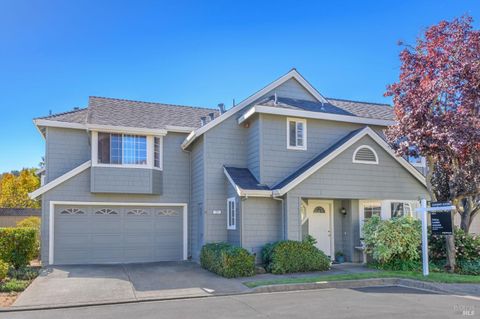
x: 14, y: 189
x: 437, y: 106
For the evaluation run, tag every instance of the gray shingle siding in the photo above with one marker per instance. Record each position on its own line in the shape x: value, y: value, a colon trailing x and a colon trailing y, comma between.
x: 65, y: 149
x: 253, y: 147
x: 126, y: 180
x: 262, y: 223
x: 176, y: 177
x: 225, y: 144
x: 278, y: 161
x: 197, y: 195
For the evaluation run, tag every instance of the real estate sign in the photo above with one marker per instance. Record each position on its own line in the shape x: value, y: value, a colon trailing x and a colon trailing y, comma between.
x: 441, y: 223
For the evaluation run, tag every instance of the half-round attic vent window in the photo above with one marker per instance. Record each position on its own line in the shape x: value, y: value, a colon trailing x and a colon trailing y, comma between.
x: 365, y: 155
x: 319, y: 210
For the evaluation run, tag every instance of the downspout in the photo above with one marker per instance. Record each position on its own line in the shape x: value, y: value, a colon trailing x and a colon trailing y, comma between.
x: 190, y: 208
x: 283, y: 217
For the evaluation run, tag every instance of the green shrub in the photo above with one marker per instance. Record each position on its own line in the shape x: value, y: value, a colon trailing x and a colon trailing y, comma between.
x: 405, y: 265
x: 469, y: 267
x: 393, y: 239
x: 17, y: 246
x: 289, y: 256
x: 227, y: 260
x: 3, y: 270
x: 33, y: 222
x: 24, y: 273
x: 467, y: 246
x: 14, y: 285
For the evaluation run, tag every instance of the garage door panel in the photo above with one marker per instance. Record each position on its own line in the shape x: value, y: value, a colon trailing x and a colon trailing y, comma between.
x: 114, y: 234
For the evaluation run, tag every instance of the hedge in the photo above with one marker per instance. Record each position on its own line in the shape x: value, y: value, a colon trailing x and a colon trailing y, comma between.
x: 289, y: 256
x: 17, y: 245
x: 3, y: 270
x: 33, y: 222
x: 227, y: 260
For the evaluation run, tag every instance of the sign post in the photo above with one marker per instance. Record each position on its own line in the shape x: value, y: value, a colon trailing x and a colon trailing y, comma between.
x: 440, y: 225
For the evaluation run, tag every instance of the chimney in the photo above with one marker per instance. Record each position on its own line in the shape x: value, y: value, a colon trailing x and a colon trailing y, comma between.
x: 212, y: 116
x: 203, y: 120
x: 221, y: 107
x: 76, y: 108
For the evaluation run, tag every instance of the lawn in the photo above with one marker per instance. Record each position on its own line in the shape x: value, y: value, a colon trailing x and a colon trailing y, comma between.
x: 433, y: 277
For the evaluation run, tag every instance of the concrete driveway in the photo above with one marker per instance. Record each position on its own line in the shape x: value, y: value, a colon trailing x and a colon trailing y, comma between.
x: 89, y: 284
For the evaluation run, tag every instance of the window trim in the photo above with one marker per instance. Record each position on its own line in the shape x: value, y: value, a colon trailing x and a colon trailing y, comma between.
x: 230, y: 225
x: 150, y: 152
x: 364, y: 162
x: 297, y: 120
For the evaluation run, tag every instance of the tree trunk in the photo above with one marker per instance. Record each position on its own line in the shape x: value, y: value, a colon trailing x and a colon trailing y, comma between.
x: 465, y: 215
x: 451, y: 260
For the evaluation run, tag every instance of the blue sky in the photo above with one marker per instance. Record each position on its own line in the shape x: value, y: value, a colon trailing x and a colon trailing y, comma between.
x: 54, y: 54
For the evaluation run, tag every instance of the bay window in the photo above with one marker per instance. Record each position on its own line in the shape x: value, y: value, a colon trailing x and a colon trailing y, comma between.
x: 128, y: 150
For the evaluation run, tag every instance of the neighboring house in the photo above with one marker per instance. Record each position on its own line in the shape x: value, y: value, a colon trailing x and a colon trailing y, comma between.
x: 9, y: 217
x: 129, y: 181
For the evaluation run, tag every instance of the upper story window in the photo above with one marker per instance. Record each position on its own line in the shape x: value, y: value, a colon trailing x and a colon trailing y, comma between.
x: 122, y: 149
x: 126, y: 150
x: 296, y: 134
x: 365, y: 155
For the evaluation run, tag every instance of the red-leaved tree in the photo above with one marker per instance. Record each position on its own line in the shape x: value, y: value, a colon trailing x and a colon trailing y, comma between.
x: 437, y: 106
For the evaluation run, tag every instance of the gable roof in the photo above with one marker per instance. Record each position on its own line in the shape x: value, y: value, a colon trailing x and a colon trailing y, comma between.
x: 243, y: 176
x: 292, y: 74
x: 333, y: 106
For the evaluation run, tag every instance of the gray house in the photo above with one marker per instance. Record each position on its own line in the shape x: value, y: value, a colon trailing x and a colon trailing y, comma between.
x: 129, y: 181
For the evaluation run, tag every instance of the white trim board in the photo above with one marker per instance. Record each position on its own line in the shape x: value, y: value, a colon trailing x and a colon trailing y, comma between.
x: 51, y: 231
x: 59, y: 180
x: 312, y: 115
x: 291, y: 74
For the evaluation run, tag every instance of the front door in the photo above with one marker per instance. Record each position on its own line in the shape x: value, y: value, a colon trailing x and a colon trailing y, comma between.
x: 320, y: 224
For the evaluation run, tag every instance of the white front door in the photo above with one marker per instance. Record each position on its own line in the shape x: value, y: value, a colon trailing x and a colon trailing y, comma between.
x: 320, y: 224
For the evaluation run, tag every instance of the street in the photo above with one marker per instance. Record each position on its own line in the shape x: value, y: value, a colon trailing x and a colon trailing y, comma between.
x: 379, y: 302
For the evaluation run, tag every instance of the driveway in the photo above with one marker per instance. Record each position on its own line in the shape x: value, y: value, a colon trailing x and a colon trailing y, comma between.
x: 68, y: 285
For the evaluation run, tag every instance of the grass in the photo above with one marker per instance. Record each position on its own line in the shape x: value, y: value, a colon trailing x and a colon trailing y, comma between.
x: 14, y: 285
x: 433, y: 277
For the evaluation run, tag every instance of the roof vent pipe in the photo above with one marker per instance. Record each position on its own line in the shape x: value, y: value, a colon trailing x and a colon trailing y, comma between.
x: 221, y: 107
x: 203, y: 120
x: 212, y: 116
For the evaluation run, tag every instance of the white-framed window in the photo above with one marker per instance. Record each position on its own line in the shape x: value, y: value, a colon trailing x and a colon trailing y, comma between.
x: 157, y: 156
x: 231, y: 214
x: 365, y: 154
x: 296, y: 134
x: 127, y: 150
x: 367, y: 210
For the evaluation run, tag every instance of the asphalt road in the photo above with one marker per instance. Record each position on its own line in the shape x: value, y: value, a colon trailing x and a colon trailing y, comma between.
x: 380, y: 302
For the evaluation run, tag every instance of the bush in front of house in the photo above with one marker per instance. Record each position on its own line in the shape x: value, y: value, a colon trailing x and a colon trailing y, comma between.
x: 394, y: 241
x: 288, y: 256
x: 467, y: 246
x: 17, y: 245
x: 3, y: 270
x: 227, y: 260
x: 33, y: 222
x: 468, y: 267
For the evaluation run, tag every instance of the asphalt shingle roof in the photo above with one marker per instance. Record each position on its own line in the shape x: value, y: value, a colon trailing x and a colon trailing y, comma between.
x: 243, y: 178
x: 335, y: 106
x: 119, y: 112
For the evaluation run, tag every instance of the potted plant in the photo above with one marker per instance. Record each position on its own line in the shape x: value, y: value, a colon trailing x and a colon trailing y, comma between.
x: 339, y: 257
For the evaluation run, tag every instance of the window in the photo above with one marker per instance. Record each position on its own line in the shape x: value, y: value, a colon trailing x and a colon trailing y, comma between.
x: 122, y: 149
x: 231, y: 214
x: 400, y: 209
x: 296, y: 134
x: 365, y: 155
x: 156, y: 152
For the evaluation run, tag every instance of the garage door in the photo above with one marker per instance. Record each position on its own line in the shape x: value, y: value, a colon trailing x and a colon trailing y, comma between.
x: 116, y: 234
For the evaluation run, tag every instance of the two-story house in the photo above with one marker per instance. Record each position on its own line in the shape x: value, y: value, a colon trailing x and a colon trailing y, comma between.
x: 129, y: 181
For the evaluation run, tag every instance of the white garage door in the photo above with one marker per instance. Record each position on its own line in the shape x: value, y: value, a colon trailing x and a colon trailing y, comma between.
x: 117, y: 234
